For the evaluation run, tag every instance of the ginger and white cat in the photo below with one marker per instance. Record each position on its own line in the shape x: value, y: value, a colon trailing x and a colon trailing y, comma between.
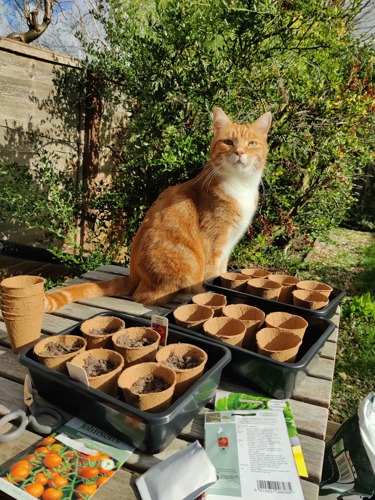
x: 189, y: 232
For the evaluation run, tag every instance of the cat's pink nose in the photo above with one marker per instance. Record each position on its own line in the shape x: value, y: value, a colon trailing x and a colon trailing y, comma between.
x: 239, y: 153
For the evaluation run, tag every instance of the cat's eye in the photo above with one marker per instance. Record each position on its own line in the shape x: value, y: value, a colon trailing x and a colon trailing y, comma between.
x: 252, y: 144
x: 228, y: 142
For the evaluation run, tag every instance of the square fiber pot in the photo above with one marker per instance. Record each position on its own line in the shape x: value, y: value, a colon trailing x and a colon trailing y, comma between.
x: 146, y: 431
x: 326, y: 312
x: 264, y: 374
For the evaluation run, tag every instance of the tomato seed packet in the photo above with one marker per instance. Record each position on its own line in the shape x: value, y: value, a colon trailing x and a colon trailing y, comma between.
x: 72, y: 462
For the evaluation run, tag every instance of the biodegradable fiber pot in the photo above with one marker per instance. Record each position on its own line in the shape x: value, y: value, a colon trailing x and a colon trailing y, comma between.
x: 288, y: 284
x: 153, y: 402
x: 280, y: 345
x: 225, y: 329
x: 192, y: 316
x: 133, y: 354
x: 174, y: 354
x: 309, y: 300
x: 254, y: 272
x: 23, y: 286
x: 91, y: 330
x: 315, y: 286
x: 106, y: 382
x: 45, y: 354
x: 251, y: 317
x: 263, y: 287
x: 234, y: 281
x: 287, y: 321
x: 23, y: 331
x: 215, y: 301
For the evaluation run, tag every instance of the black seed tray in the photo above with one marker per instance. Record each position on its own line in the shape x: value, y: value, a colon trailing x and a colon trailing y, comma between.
x: 150, y: 432
x: 264, y: 374
x: 326, y: 312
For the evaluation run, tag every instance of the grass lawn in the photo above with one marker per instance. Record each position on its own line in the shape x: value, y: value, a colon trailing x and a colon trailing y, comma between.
x: 346, y: 259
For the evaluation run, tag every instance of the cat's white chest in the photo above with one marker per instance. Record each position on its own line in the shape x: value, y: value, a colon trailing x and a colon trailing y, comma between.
x: 245, y: 195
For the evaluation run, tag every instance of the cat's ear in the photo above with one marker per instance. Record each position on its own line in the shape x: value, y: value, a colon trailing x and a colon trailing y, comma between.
x: 220, y: 120
x: 263, y: 123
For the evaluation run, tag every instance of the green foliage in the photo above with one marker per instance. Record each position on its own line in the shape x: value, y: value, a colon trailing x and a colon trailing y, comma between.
x: 50, y: 199
x: 174, y: 63
x: 361, y: 307
x: 169, y: 63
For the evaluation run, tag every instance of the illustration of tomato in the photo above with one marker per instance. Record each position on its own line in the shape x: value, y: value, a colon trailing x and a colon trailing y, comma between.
x: 101, y: 480
x: 57, y: 481
x: 35, y: 489
x: 52, y: 494
x: 42, y: 450
x: 48, y: 440
x: 56, y: 447
x: 33, y: 459
x: 85, y: 490
x: 109, y: 473
x: 41, y: 478
x: 103, y: 456
x: 52, y: 460
x: 21, y: 463
x: 20, y: 473
x: 88, y: 472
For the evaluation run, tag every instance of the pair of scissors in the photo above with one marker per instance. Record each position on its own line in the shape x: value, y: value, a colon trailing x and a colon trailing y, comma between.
x: 29, y: 416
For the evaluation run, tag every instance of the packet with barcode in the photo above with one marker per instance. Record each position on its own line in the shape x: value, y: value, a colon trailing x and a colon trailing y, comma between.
x: 349, y: 459
x: 251, y: 452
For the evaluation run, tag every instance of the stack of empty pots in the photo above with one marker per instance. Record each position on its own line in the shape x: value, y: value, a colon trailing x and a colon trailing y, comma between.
x: 22, y: 306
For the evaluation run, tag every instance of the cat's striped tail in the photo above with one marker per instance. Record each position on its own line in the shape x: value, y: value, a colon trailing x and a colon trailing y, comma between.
x: 74, y: 293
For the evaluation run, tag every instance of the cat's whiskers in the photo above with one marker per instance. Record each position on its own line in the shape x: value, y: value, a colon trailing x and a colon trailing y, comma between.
x: 210, y: 174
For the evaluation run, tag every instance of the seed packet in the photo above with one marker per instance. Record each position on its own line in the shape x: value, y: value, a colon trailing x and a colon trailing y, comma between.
x: 75, y: 460
x: 236, y: 401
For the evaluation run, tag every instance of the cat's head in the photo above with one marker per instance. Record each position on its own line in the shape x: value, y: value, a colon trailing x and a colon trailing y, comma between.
x: 239, y: 148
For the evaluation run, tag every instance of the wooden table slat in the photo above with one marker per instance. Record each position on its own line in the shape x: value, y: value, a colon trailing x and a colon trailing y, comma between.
x: 310, y: 399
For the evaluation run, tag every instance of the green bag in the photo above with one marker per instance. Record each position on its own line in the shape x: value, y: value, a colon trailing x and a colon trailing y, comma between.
x: 349, y: 459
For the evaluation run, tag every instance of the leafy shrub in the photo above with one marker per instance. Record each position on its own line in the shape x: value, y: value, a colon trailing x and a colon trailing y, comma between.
x: 171, y: 66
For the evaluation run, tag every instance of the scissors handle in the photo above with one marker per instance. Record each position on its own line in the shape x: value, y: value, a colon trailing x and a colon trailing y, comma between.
x: 44, y: 410
x: 13, y: 415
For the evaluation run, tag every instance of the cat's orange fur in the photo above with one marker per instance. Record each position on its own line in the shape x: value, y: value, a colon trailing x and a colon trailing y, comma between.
x: 189, y: 232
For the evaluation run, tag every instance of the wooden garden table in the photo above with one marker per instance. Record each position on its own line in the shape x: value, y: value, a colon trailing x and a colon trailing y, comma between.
x: 310, y: 400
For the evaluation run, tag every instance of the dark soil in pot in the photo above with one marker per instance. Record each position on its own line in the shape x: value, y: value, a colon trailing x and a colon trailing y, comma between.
x: 182, y: 362
x: 95, y: 367
x: 151, y: 383
x: 59, y: 349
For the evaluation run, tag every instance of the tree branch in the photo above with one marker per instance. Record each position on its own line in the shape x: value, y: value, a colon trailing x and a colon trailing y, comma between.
x: 36, y: 29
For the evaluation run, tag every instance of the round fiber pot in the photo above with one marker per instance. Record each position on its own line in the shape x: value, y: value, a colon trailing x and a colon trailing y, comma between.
x: 263, y: 287
x: 186, y: 360
x: 98, y: 331
x: 251, y: 317
x: 287, y: 321
x: 103, y: 358
x: 22, y: 302
x: 234, y: 281
x: 288, y: 284
x: 23, y: 331
x: 23, y: 285
x: 215, y: 301
x: 136, y: 344
x: 225, y: 329
x: 56, y: 350
x: 314, y: 286
x: 254, y: 272
x: 15, y: 311
x: 309, y: 300
x: 133, y: 379
x: 192, y: 316
x: 279, y: 345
